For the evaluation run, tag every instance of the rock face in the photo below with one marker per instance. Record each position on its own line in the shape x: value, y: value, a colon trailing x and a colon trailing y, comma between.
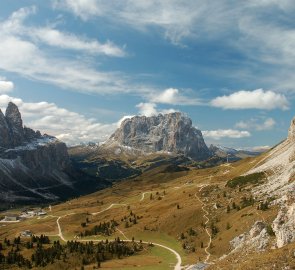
x: 171, y: 132
x: 284, y: 224
x: 279, y: 166
x: 291, y: 133
x: 256, y: 239
x: 35, y: 167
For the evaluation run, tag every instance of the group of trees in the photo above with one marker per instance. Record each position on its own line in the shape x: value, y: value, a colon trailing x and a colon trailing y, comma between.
x: 131, y: 219
x: 247, y: 201
x: 14, y: 257
x: 105, y: 228
x: 84, y: 253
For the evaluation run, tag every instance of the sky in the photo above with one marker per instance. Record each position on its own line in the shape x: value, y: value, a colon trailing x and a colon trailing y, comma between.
x: 76, y: 68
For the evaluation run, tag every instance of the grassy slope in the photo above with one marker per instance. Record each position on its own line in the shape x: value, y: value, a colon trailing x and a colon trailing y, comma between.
x: 162, y: 221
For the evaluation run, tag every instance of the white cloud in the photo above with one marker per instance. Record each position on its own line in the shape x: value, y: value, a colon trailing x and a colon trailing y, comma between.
x: 147, y: 109
x: 150, y: 109
x: 225, y: 133
x: 256, y: 99
x: 257, y: 124
x: 81, y: 8
x: 172, y: 96
x: 5, y: 86
x: 53, y: 37
x: 20, y: 54
x: 56, y: 121
x: 253, y: 27
x: 57, y: 38
x: 177, y: 19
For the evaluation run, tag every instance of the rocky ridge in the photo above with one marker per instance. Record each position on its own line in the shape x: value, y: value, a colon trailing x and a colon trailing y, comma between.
x: 34, y: 167
x: 171, y: 133
x: 279, y: 166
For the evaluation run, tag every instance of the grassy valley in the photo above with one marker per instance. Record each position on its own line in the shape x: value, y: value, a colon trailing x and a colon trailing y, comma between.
x: 194, y: 212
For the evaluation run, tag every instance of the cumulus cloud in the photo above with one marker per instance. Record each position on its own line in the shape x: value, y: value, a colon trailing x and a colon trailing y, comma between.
x: 225, y: 133
x: 256, y: 99
x: 147, y: 109
x: 257, y: 124
x: 5, y: 86
x: 172, y: 96
x: 150, y: 109
x: 56, y: 121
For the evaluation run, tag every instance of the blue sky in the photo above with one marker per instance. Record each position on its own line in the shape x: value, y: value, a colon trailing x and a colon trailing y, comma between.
x: 77, y: 67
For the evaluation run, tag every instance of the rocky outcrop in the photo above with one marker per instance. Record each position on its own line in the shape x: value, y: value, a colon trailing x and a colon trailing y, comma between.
x: 291, y: 132
x: 5, y: 140
x: 279, y: 166
x: 15, y: 124
x: 256, y: 239
x: 171, y: 132
x: 35, y: 167
x: 284, y: 224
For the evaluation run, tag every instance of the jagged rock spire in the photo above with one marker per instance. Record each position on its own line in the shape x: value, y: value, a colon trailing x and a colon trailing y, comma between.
x: 5, y: 140
x: 12, y: 132
x: 15, y: 123
x: 291, y: 133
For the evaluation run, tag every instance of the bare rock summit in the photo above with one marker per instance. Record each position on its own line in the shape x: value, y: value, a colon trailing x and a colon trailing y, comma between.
x: 171, y: 132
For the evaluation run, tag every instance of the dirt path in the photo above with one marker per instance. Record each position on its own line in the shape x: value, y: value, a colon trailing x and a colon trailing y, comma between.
x: 112, y: 205
x: 206, y: 222
x: 143, y: 194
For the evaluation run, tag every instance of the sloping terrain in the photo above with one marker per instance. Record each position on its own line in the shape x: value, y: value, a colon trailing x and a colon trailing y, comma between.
x: 193, y: 212
x: 233, y: 216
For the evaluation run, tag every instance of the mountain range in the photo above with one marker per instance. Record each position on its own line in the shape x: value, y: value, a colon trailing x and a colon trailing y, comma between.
x: 189, y: 200
x: 35, y: 167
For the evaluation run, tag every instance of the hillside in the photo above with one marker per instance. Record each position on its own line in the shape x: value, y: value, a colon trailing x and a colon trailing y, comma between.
x: 160, y: 199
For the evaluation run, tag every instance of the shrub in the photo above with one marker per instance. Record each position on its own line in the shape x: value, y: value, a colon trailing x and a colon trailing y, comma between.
x: 247, y: 179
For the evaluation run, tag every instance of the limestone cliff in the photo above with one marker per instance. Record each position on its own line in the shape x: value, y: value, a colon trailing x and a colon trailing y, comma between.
x: 171, y: 132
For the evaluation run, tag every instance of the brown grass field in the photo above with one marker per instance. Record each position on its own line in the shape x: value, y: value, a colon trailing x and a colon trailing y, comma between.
x: 169, y: 212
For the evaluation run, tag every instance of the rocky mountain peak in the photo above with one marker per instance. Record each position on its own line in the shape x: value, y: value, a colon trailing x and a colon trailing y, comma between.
x: 12, y: 132
x: 291, y: 133
x: 171, y: 132
x: 13, y: 115
x: 15, y: 124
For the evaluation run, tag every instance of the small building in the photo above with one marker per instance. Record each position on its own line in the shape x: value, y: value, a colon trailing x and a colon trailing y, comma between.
x: 41, y: 212
x: 26, y: 233
x: 31, y: 213
x: 11, y: 217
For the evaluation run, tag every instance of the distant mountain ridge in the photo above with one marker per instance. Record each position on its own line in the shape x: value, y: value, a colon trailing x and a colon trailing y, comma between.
x: 232, y: 154
x: 171, y: 133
